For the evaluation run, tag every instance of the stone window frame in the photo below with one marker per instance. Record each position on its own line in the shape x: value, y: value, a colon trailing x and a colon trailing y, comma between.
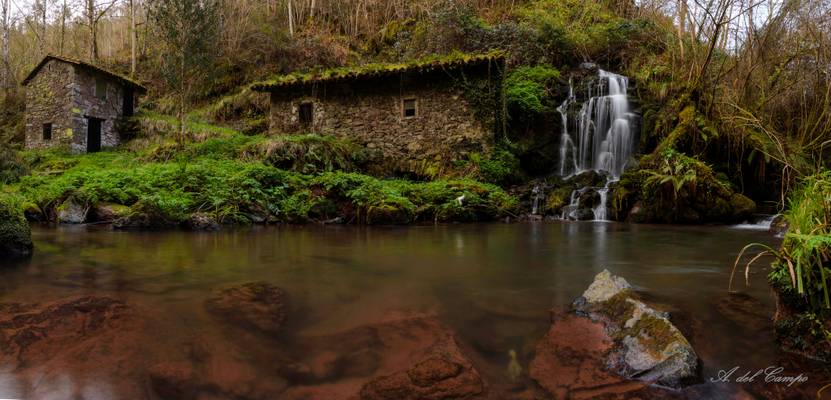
x: 47, y: 131
x: 404, y: 107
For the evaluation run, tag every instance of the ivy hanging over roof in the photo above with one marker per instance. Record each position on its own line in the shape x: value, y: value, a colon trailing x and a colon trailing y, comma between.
x: 451, y: 61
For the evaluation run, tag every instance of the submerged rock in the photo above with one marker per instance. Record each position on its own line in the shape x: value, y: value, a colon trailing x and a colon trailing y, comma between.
x: 32, y: 331
x: 45, y: 345
x: 411, y: 356
x: 648, y: 346
x: 570, y: 362
x: 258, y: 305
x: 15, y: 234
x: 72, y: 212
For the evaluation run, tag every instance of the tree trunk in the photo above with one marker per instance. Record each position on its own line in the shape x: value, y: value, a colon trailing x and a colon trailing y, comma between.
x: 291, y: 19
x: 63, y: 27
x: 93, y: 32
x: 5, y: 25
x: 682, y: 24
x: 132, y: 38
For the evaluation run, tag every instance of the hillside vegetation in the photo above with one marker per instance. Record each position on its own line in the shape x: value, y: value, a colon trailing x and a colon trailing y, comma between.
x: 734, y: 98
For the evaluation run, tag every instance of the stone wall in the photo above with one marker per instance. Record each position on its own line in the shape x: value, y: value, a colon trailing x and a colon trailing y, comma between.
x: 371, y: 113
x: 88, y: 104
x: 49, y: 100
x: 65, y: 95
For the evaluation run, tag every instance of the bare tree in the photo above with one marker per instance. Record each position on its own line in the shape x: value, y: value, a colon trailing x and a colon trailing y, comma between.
x: 93, y: 12
x: 5, y: 24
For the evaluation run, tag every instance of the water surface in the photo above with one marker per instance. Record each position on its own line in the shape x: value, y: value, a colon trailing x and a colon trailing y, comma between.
x: 492, y: 284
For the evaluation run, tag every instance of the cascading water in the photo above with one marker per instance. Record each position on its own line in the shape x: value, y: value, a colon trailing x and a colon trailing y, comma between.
x: 605, y: 140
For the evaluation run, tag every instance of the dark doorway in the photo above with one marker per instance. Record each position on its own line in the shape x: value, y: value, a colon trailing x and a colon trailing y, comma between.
x: 93, y: 135
x: 128, y: 102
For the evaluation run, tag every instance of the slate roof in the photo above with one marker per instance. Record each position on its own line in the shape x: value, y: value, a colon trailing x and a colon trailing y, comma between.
x: 85, y: 65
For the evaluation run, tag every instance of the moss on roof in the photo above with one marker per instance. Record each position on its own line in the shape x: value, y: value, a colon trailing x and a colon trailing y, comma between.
x: 428, y: 64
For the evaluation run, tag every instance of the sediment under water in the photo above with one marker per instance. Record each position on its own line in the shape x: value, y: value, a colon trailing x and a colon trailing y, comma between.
x: 492, y: 285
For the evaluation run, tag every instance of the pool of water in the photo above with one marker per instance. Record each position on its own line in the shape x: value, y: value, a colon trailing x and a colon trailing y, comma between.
x: 492, y: 284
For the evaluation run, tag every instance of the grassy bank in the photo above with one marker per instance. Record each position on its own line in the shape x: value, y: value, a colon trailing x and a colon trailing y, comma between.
x: 801, y: 271
x: 232, y: 178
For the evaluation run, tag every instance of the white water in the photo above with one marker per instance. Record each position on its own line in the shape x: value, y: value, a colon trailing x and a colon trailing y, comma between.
x: 762, y: 224
x: 605, y: 141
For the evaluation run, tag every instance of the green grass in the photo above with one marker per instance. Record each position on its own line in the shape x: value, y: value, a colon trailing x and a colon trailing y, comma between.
x: 233, y: 177
x: 801, y: 270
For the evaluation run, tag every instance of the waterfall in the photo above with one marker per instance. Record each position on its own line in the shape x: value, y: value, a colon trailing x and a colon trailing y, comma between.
x: 605, y: 141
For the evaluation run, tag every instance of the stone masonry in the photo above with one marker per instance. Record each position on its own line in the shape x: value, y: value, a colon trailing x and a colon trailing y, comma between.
x: 371, y: 111
x: 66, y: 94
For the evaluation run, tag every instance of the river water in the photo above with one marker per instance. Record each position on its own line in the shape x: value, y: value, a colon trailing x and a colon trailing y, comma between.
x: 492, y: 284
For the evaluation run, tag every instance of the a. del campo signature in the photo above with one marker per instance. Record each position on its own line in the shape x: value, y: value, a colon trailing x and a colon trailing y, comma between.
x: 771, y: 374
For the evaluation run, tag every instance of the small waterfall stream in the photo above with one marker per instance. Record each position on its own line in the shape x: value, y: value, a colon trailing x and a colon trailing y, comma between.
x: 605, y: 139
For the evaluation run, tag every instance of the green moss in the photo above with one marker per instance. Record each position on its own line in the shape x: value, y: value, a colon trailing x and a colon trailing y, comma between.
x: 617, y: 308
x: 436, y: 62
x: 655, y: 333
x: 528, y: 90
x: 15, y: 235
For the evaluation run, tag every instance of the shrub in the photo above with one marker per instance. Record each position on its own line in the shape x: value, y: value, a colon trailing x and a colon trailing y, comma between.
x: 527, y: 91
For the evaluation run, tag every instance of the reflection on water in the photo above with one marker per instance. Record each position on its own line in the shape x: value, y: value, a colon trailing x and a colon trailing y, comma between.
x: 491, y: 284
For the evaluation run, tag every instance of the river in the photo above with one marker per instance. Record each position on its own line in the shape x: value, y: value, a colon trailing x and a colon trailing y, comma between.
x: 492, y: 284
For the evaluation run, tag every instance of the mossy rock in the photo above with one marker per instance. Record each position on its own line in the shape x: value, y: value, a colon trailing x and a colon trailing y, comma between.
x: 647, y: 345
x: 15, y: 234
x: 387, y: 214
x: 108, y: 212
x: 742, y: 207
x: 558, y: 199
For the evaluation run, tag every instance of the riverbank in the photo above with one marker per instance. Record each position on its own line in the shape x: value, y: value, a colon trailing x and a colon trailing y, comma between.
x: 233, y: 179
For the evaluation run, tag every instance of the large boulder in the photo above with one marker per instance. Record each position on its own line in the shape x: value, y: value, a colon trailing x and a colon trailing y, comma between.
x: 648, y: 346
x: 72, y: 212
x: 15, y: 235
x: 257, y: 305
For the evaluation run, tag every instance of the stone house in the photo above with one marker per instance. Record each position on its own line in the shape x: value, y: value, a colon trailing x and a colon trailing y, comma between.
x: 436, y: 109
x: 75, y: 104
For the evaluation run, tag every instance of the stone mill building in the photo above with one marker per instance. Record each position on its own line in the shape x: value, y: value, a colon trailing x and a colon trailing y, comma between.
x: 438, y: 108
x: 77, y: 105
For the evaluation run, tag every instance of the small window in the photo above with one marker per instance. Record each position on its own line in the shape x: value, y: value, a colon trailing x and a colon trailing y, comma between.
x: 410, y: 108
x: 101, y: 89
x: 306, y: 114
x: 47, y: 131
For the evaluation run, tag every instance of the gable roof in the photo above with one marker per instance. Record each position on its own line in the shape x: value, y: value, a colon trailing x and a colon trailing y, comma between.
x: 78, y: 63
x: 451, y: 61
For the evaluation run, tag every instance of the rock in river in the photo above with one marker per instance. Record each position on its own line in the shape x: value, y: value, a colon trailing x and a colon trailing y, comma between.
x: 648, y: 346
x: 257, y: 305
x: 613, y: 345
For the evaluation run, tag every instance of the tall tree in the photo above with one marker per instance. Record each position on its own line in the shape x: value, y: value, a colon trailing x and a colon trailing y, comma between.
x: 93, y: 12
x: 187, y: 31
x: 5, y: 24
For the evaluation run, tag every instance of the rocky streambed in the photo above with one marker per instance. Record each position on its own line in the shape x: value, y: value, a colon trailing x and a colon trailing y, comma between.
x: 610, y: 344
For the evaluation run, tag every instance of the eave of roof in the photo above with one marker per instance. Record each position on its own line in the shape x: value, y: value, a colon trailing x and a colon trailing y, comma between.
x: 451, y: 61
x: 82, y: 64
